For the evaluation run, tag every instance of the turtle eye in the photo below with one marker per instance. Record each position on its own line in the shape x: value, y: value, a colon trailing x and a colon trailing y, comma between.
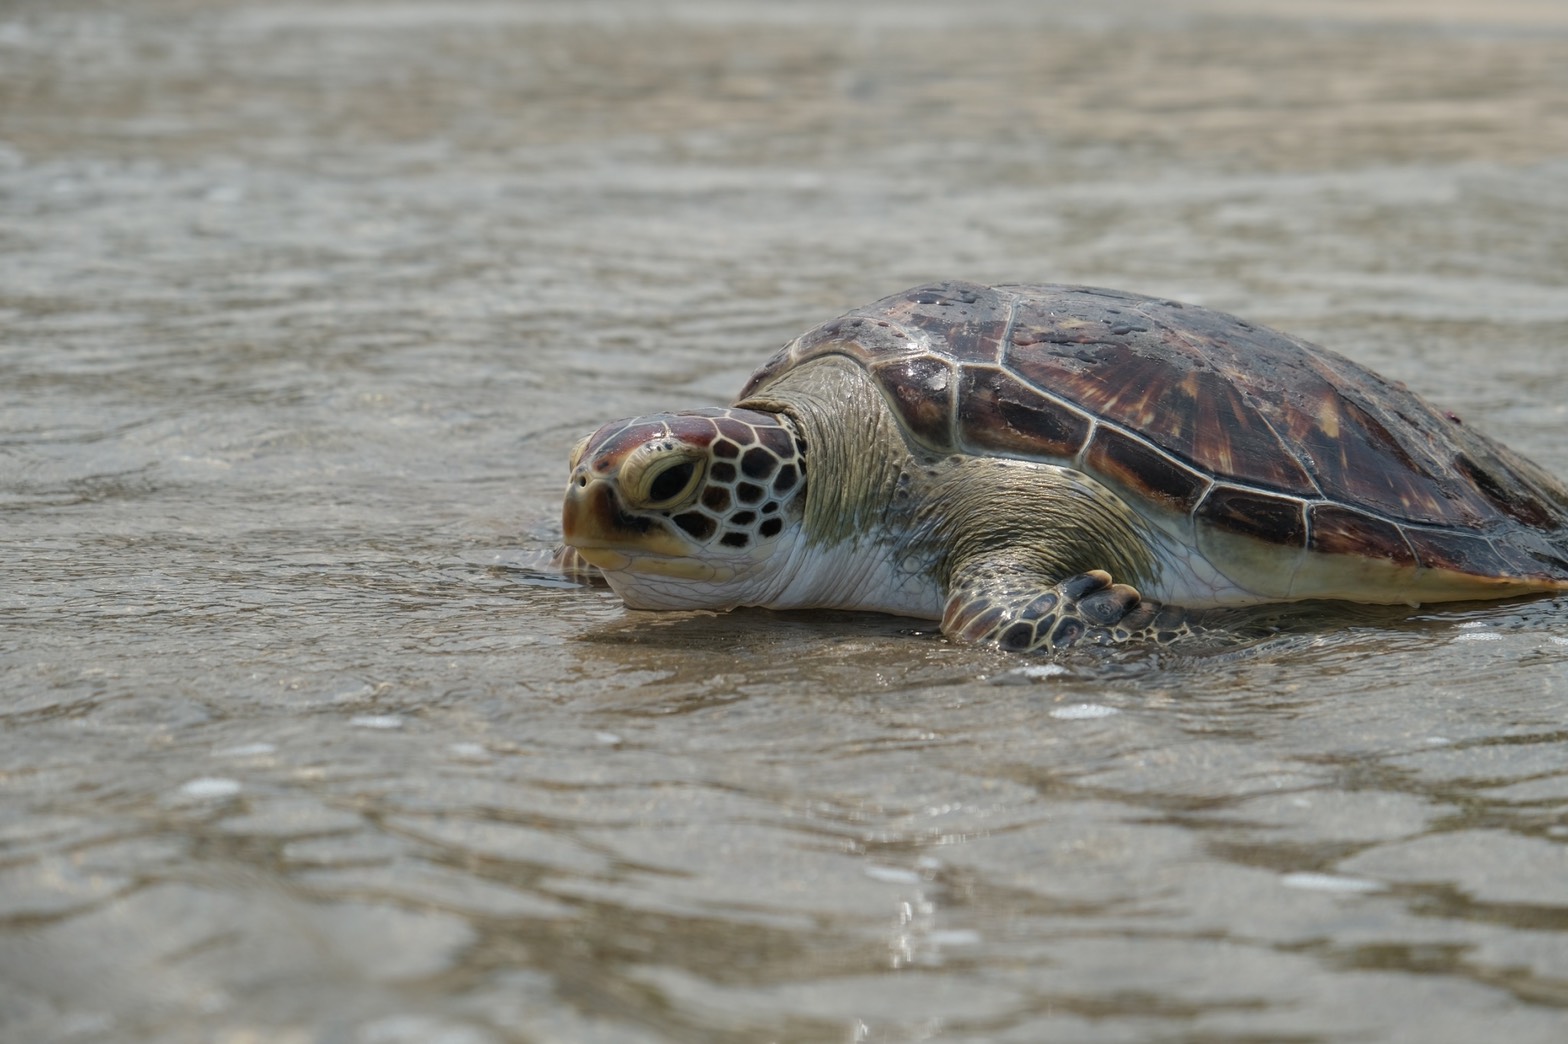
x: 671, y: 485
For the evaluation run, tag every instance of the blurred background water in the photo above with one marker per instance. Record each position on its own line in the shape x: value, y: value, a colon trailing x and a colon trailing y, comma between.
x: 301, y: 308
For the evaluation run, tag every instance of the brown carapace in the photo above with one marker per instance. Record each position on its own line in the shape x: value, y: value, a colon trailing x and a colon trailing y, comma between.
x: 1199, y: 413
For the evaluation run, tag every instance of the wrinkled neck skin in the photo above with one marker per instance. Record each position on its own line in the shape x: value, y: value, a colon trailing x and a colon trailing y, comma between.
x: 857, y: 467
x: 855, y: 453
x: 886, y: 528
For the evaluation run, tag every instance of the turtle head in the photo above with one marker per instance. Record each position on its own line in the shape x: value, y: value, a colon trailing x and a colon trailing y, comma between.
x: 688, y: 510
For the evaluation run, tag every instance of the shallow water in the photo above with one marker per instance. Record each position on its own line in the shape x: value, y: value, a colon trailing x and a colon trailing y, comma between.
x: 302, y: 308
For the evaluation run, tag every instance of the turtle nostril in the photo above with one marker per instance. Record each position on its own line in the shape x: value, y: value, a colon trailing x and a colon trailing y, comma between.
x: 582, y: 481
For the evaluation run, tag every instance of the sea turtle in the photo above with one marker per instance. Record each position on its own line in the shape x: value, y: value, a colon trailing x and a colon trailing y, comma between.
x: 1035, y: 465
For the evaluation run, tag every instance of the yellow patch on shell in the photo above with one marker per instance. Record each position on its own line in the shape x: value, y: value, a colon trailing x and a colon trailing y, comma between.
x: 1328, y: 418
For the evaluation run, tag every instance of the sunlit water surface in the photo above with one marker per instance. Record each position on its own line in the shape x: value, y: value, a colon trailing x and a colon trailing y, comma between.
x: 302, y: 306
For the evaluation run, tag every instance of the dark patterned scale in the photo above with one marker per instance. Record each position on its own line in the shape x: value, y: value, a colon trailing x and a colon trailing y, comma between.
x: 1197, y: 413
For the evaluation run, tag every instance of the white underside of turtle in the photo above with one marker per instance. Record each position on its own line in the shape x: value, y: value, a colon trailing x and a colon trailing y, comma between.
x: 1039, y: 466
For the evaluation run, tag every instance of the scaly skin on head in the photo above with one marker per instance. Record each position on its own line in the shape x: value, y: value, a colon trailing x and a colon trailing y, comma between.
x: 688, y: 510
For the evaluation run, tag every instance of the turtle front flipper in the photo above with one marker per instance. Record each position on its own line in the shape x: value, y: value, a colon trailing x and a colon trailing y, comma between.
x: 999, y: 610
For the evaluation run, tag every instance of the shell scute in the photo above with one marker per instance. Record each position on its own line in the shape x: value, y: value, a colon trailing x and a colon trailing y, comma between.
x: 1134, y: 464
x: 1358, y: 458
x: 966, y: 320
x: 1337, y: 530
x: 1154, y: 382
x: 1461, y: 552
x: 1512, y: 500
x: 1536, y: 554
x: 999, y: 415
x: 1253, y: 513
x: 921, y: 389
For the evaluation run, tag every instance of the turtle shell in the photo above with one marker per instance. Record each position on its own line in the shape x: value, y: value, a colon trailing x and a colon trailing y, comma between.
x: 1203, y: 420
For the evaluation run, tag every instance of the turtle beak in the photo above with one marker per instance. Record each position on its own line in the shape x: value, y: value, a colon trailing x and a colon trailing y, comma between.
x: 593, y: 523
x: 587, y: 521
